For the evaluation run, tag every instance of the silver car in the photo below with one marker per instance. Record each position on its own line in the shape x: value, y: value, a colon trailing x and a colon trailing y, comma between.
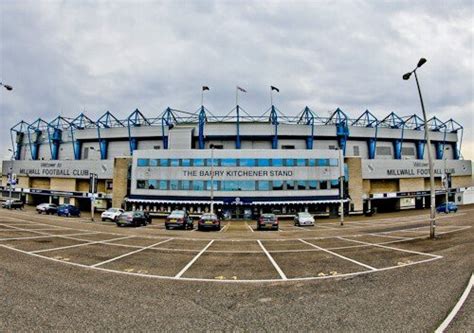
x: 304, y: 218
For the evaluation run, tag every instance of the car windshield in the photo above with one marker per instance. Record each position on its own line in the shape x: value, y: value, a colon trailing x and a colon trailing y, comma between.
x: 268, y: 217
x: 305, y: 214
x: 112, y: 210
x: 177, y: 213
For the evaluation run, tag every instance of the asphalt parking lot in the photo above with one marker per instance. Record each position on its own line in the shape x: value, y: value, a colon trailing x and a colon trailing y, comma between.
x: 379, y: 273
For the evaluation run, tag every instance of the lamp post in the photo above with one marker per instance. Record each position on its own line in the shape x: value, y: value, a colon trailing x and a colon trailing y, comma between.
x: 212, y: 178
x: 428, y: 143
x: 341, y: 184
x: 446, y: 185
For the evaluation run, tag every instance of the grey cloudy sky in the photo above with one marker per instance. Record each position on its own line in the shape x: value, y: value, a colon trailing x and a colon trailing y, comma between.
x: 64, y: 57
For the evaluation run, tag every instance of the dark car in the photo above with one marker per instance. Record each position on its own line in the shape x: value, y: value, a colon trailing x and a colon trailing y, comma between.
x: 47, y: 208
x: 68, y: 210
x: 267, y: 221
x: 134, y: 219
x: 209, y: 221
x: 179, y: 219
x: 451, y: 207
x: 13, y: 204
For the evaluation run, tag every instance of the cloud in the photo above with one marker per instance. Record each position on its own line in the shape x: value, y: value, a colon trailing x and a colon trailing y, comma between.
x: 66, y: 57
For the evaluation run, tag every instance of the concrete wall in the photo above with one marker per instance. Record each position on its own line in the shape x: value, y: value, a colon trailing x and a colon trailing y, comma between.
x: 411, y: 184
x: 356, y: 187
x: 121, y: 165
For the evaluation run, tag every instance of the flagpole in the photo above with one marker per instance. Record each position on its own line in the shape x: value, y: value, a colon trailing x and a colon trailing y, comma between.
x: 271, y: 96
x: 236, y: 96
x: 202, y: 96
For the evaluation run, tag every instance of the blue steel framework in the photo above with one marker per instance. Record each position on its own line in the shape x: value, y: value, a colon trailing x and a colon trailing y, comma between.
x: 171, y: 117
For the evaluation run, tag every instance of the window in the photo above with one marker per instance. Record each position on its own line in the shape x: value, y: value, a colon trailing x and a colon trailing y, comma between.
x: 408, y: 151
x: 198, y: 185
x: 263, y: 185
x: 290, y: 184
x: 323, y: 185
x: 143, y: 162
x: 152, y: 184
x: 163, y: 185
x: 210, y: 161
x: 228, y: 162
x: 141, y: 184
x: 186, y: 162
x: 174, y: 185
x: 312, y: 162
x: 185, y: 185
x: 217, y: 146
x: 86, y: 153
x: 247, y: 162
x: 277, y: 185
x: 277, y: 162
x: 229, y: 185
x: 174, y: 162
x: 154, y: 162
x: 313, y: 184
x: 322, y: 162
x: 300, y: 162
x: 356, y: 151
x: 332, y: 147
x: 386, y: 151
x: 164, y: 162
x: 263, y: 162
x: 214, y: 183
x: 156, y: 147
x: 247, y: 185
x: 287, y: 147
x: 334, y: 184
x: 198, y: 162
x: 301, y: 185
x: 289, y: 162
x: 333, y: 162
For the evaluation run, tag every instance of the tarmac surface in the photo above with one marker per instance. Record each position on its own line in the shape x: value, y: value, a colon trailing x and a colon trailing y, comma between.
x: 372, y: 274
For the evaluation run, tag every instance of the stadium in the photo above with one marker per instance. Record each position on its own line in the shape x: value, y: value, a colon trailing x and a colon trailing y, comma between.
x: 240, y: 163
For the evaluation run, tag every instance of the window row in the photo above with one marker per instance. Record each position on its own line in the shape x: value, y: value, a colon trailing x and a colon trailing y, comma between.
x: 237, y: 185
x: 233, y: 162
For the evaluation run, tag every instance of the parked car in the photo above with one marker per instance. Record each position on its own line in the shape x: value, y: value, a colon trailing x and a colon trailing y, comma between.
x: 209, y: 221
x: 47, y: 208
x: 111, y: 214
x: 179, y: 219
x: 13, y: 204
x: 68, y: 210
x: 134, y: 219
x: 304, y: 218
x: 452, y: 207
x: 267, y: 221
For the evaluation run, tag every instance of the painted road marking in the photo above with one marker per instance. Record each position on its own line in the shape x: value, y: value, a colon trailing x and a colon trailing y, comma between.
x: 340, y: 256
x: 282, y: 275
x: 249, y: 227
x: 130, y: 253
x: 456, y: 308
x: 391, y: 248
x: 193, y: 260
x: 47, y: 236
x: 78, y: 245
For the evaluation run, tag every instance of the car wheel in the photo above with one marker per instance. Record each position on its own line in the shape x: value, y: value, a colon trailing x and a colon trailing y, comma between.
x: 118, y: 225
x: 167, y: 228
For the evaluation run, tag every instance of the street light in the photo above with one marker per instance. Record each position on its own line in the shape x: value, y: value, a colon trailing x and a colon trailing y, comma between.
x: 428, y: 143
x: 212, y: 177
x: 7, y: 87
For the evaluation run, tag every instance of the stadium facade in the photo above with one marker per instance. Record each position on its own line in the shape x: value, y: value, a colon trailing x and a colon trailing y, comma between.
x: 244, y: 164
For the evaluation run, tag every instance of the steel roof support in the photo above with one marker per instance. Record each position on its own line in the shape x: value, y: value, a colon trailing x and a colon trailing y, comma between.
x: 340, y: 119
x: 367, y: 119
x: 135, y: 119
x: 395, y: 122
x: 274, y: 122
x: 34, y: 143
x: 19, y: 129
x: 79, y: 123
x: 107, y: 120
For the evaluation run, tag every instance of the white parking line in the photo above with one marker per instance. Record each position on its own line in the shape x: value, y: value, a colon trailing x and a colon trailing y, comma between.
x: 340, y: 256
x: 193, y: 260
x: 278, y: 269
x: 456, y: 308
x: 46, y: 236
x: 130, y: 253
x: 78, y: 245
x: 225, y: 227
x: 251, y: 229
x: 393, y: 237
x: 391, y: 248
